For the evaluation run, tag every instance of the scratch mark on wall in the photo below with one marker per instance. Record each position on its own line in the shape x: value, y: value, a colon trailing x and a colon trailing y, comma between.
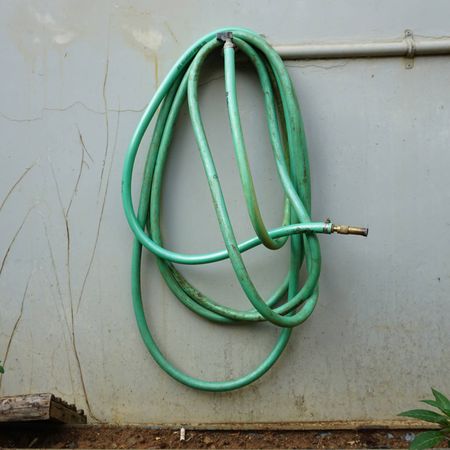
x: 60, y: 319
x: 16, y: 324
x: 18, y: 181
x: 105, y: 104
x: 101, y: 215
x: 13, y: 240
x: 83, y: 384
x: 69, y: 277
x: 58, y: 284
x: 71, y: 327
x: 80, y: 171
x: 40, y: 116
x: 16, y: 119
x: 84, y: 145
x: 65, y: 213
x: 67, y: 230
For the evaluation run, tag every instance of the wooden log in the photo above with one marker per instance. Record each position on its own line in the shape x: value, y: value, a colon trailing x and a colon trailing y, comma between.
x: 38, y: 407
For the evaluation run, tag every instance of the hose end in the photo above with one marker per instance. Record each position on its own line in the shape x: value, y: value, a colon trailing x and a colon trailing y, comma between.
x: 346, y: 229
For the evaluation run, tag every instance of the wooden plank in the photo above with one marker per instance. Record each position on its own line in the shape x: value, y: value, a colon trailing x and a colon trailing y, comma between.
x: 25, y: 407
x: 66, y: 414
x: 38, y: 407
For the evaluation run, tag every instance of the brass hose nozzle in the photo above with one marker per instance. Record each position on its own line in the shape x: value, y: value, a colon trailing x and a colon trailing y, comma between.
x: 346, y: 229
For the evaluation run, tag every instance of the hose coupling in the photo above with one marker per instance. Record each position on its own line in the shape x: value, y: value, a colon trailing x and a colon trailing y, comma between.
x: 346, y: 229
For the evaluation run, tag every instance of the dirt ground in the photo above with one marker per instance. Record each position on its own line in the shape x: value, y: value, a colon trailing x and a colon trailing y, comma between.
x: 94, y: 436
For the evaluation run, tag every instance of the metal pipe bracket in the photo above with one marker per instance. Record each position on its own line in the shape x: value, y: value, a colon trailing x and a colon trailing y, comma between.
x: 410, y: 49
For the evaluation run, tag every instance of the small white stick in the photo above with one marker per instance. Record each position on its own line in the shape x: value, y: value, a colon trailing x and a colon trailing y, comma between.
x: 182, y: 434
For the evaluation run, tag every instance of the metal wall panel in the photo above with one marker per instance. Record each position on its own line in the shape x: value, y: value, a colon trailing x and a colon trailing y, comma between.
x: 76, y: 76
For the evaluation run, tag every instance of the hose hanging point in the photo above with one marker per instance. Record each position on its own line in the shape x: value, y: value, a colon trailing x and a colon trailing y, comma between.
x: 227, y: 39
x: 224, y: 36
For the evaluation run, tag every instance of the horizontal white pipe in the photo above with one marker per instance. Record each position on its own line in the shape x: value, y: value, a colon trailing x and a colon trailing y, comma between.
x: 405, y: 47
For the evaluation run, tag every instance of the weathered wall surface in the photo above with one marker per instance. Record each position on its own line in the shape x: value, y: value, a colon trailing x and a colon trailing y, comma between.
x: 76, y: 76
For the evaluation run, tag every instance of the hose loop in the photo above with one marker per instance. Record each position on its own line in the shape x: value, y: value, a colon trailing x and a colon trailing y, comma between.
x: 289, y: 305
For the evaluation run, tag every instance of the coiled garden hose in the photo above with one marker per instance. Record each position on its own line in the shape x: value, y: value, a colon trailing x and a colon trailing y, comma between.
x: 289, y: 305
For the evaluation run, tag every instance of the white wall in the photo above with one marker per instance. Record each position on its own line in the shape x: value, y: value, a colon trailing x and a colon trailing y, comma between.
x: 76, y: 76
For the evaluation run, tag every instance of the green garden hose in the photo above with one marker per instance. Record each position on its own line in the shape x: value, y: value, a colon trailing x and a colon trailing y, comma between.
x: 289, y: 305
